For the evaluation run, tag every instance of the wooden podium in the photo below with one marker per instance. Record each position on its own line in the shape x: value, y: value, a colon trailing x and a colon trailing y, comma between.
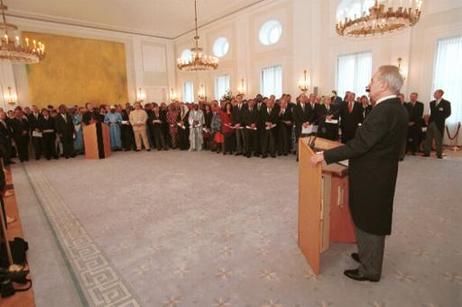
x: 324, y: 213
x: 96, y: 140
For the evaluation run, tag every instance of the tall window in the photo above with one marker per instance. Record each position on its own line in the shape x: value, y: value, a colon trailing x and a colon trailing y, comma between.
x: 448, y: 76
x: 354, y: 72
x: 188, y: 91
x: 221, y: 86
x: 271, y: 81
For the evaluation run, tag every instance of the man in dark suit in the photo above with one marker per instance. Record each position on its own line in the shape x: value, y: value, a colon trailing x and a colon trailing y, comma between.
x: 65, y: 131
x: 91, y: 115
x: 269, y: 116
x: 6, y: 148
x: 237, y: 117
x: 415, y: 111
x: 34, y: 119
x: 302, y: 116
x: 373, y: 158
x: 328, y: 119
x: 440, y: 109
x: 285, y: 127
x: 250, y: 131
x: 335, y: 99
x: 20, y: 128
x: 351, y: 116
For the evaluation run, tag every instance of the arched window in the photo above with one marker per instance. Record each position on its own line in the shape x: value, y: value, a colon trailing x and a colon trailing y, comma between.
x: 220, y: 47
x: 270, y: 32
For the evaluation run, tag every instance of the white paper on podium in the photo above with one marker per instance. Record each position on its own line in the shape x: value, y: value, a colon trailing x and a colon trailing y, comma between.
x: 310, y: 129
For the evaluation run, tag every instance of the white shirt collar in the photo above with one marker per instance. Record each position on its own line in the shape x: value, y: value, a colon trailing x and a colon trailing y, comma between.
x: 385, y: 98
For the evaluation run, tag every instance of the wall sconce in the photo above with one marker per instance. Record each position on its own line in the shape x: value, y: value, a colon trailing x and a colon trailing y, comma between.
x: 304, y: 84
x: 11, y: 98
x: 241, y: 88
x: 172, y: 94
x: 201, y: 92
x: 141, y: 95
x: 401, y: 70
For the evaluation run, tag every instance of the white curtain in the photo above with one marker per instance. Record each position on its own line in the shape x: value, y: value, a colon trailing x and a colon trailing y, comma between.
x: 448, y: 77
x: 188, y: 91
x: 354, y: 73
x: 221, y: 86
x: 271, y: 81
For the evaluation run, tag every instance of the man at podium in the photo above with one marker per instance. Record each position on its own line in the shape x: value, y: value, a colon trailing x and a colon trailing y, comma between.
x: 373, y: 157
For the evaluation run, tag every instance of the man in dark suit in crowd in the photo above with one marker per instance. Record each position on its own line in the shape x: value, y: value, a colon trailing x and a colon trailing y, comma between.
x: 36, y: 133
x: 269, y: 116
x: 91, y: 115
x: 336, y: 101
x: 20, y: 128
x: 260, y: 104
x: 328, y: 119
x: 250, y: 131
x: 237, y: 117
x: 6, y: 136
x: 440, y: 109
x: 414, y: 131
x: 302, y: 116
x: 65, y: 131
x: 285, y: 126
x: 351, y: 116
x: 373, y: 158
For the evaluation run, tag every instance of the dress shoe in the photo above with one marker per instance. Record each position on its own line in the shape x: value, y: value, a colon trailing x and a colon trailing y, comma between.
x: 264, y: 156
x: 439, y: 156
x: 426, y: 155
x: 355, y: 257
x: 356, y: 275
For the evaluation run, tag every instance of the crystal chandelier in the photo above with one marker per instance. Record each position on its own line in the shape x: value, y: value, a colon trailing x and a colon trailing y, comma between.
x: 12, y: 49
x: 371, y: 17
x: 198, y: 61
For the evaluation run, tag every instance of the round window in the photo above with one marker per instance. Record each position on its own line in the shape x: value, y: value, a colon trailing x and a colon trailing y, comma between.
x: 270, y: 32
x: 220, y: 47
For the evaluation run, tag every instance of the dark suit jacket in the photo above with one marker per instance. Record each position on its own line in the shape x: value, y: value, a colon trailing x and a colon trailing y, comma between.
x: 64, y: 128
x: 349, y: 121
x: 250, y: 116
x: 237, y: 115
x: 374, y: 155
x: 33, y: 121
x: 415, y: 113
x: 438, y: 114
x: 302, y: 114
x: 18, y: 127
x: 272, y: 116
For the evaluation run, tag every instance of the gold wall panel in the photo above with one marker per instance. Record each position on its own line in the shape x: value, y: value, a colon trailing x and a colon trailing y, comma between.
x: 76, y: 71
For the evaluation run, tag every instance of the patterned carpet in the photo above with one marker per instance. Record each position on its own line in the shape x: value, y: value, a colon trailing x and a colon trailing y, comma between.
x: 200, y: 229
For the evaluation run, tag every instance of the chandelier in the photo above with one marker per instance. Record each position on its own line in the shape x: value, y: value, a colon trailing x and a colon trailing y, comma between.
x: 12, y: 49
x: 197, y: 61
x: 371, y: 17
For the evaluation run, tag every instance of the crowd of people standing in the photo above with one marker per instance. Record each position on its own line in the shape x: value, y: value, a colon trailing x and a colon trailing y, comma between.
x: 260, y: 126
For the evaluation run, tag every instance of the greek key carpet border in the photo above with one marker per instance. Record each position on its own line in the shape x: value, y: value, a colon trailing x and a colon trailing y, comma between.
x: 99, y: 282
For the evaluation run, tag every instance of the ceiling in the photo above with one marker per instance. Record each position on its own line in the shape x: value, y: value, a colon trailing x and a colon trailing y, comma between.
x: 161, y: 18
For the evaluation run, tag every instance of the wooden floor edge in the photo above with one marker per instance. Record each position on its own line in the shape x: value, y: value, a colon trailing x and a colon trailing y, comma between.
x: 23, y: 299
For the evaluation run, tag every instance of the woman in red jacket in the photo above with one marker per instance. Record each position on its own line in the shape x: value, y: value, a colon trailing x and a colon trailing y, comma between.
x: 226, y: 127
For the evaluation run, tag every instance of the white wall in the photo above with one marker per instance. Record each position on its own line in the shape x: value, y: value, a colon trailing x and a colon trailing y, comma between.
x: 149, y: 60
